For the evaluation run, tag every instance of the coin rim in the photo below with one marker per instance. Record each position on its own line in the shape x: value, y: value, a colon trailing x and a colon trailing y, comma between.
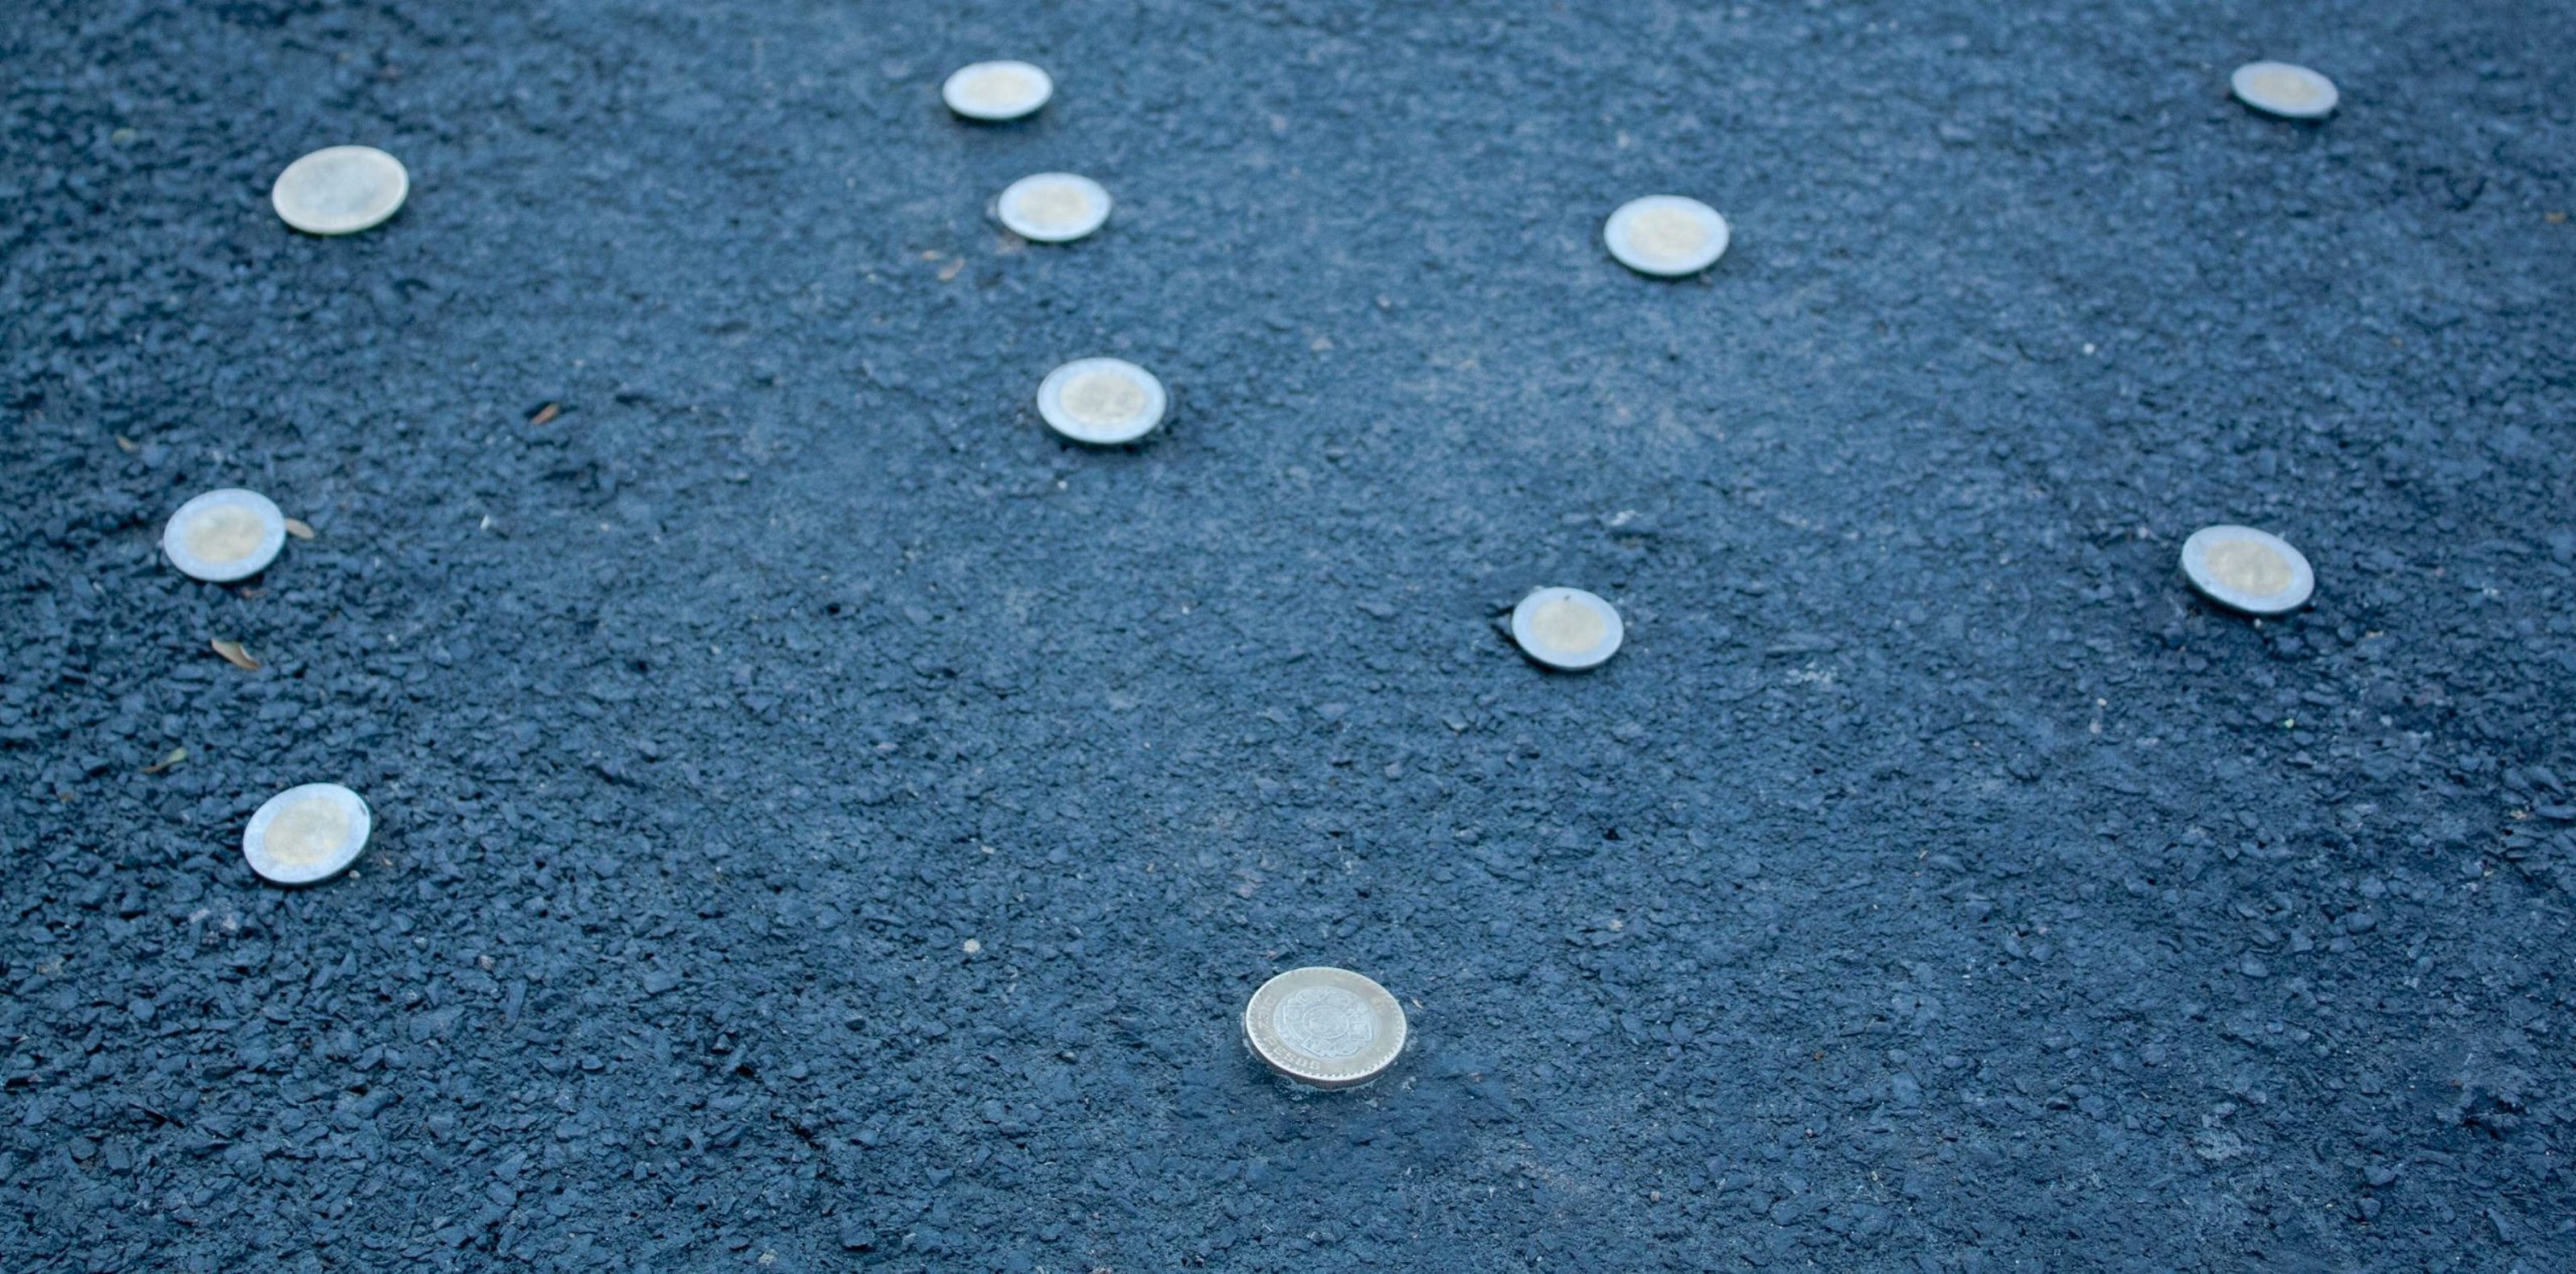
x: 1325, y: 1074
x: 256, y: 831
x: 1608, y: 646
x: 402, y: 193
x: 1051, y: 402
x: 272, y: 535
x: 2236, y: 87
x: 2195, y: 571
x: 1614, y: 234
x: 1002, y: 208
x: 948, y: 96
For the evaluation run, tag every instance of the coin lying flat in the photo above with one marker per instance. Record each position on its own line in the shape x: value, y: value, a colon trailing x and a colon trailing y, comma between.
x: 307, y: 833
x: 225, y: 535
x: 1327, y: 1028
x: 997, y: 90
x: 2278, y: 88
x: 341, y: 190
x: 1666, y: 235
x: 1567, y: 628
x: 2247, y: 570
x: 1102, y: 401
x: 1052, y: 207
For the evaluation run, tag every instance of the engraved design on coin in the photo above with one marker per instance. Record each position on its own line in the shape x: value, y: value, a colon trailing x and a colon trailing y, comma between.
x: 2249, y: 566
x: 1326, y: 1022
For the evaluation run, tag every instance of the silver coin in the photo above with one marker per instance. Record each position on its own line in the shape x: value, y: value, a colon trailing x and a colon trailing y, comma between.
x: 2247, y: 570
x: 307, y: 833
x: 1567, y: 628
x: 341, y: 190
x: 225, y: 535
x: 1668, y: 236
x: 1052, y: 207
x: 997, y: 90
x: 1102, y: 401
x: 1326, y: 1028
x: 2278, y: 88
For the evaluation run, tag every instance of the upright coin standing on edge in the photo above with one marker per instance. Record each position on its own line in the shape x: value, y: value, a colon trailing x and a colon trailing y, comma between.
x: 1102, y: 401
x: 2278, y: 88
x: 1325, y: 1028
x: 341, y: 190
x: 1567, y: 629
x: 1052, y: 207
x: 305, y: 834
x: 225, y: 535
x: 1667, y: 236
x: 997, y: 90
x: 2246, y: 570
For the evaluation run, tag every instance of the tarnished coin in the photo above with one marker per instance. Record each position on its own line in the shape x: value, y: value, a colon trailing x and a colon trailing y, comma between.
x: 2278, y: 88
x: 307, y: 833
x: 1328, y: 1028
x: 2247, y: 570
x: 225, y: 535
x: 1567, y: 628
x: 997, y: 90
x: 1052, y: 207
x: 1666, y: 235
x: 1102, y: 401
x: 341, y: 190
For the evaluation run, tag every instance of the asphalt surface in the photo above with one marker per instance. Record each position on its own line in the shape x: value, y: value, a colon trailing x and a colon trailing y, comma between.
x: 825, y: 822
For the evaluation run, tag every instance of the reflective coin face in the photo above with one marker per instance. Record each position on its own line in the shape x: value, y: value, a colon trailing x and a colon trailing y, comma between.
x: 1567, y: 628
x: 1666, y: 235
x: 2247, y: 570
x: 307, y: 833
x: 1101, y: 401
x: 225, y: 535
x: 2278, y: 88
x: 1328, y: 1028
x: 1052, y: 207
x: 997, y: 90
x: 342, y: 190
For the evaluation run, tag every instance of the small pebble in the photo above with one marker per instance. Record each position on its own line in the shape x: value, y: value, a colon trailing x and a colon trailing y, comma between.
x: 1324, y: 1028
x: 225, y: 535
x: 2278, y: 88
x: 1567, y: 629
x: 1667, y: 236
x: 997, y: 90
x: 2246, y: 570
x: 341, y: 190
x: 1052, y: 207
x: 1102, y: 401
x: 305, y: 834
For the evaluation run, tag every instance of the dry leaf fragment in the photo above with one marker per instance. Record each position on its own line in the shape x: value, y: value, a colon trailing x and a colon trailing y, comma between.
x: 165, y: 764
x: 545, y: 412
x: 234, y: 654
x: 299, y: 528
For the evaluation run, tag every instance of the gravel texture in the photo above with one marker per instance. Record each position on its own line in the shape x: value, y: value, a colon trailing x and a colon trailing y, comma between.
x: 824, y: 822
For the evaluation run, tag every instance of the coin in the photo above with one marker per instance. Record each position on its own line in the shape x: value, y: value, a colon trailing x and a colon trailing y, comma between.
x: 1567, y: 628
x: 1101, y: 401
x: 997, y: 90
x: 1052, y: 207
x: 307, y: 833
x: 2247, y: 570
x: 1666, y: 235
x: 1327, y: 1028
x: 2278, y: 88
x: 225, y: 535
x: 341, y: 190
